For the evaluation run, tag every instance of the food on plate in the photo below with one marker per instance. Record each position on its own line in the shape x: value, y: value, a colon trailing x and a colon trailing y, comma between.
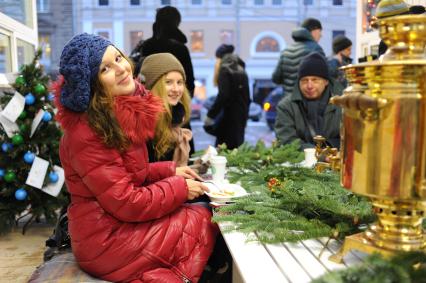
x: 224, y: 193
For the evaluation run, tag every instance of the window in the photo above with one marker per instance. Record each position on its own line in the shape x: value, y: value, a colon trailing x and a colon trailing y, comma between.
x: 135, y: 37
x: 44, y: 44
x: 227, y: 2
x: 103, y: 33
x: 19, y: 10
x: 227, y: 36
x: 5, y: 56
x: 135, y: 2
x: 308, y: 2
x: 258, y: 2
x: 337, y: 2
x: 42, y: 6
x: 26, y: 52
x: 197, y: 41
x: 103, y: 2
x: 277, y: 2
x: 196, y: 2
x: 166, y: 2
x: 267, y: 44
x: 337, y: 32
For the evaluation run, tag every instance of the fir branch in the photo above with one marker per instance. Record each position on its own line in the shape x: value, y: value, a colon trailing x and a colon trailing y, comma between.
x: 406, y: 267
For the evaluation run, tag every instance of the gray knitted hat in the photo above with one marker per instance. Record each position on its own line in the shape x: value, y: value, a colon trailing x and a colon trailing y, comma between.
x: 156, y: 65
x: 79, y: 64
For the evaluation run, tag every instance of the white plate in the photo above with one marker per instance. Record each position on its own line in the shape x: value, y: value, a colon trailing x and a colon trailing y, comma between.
x: 232, y: 191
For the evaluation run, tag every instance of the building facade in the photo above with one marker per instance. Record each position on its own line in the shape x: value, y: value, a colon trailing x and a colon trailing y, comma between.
x: 259, y: 29
x: 55, y: 28
x: 18, y: 36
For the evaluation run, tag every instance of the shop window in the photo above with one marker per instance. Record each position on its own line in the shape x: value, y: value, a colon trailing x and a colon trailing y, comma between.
x: 227, y: 36
x: 5, y: 56
x: 46, y: 56
x: 25, y: 51
x: 197, y: 41
x: 267, y: 44
x: 135, y: 37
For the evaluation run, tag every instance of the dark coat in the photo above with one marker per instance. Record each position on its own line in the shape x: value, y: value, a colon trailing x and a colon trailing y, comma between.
x: 234, y: 99
x: 285, y: 72
x: 290, y: 122
x: 173, y: 41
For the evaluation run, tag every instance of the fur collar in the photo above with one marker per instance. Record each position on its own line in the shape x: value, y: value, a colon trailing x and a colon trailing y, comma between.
x: 137, y: 114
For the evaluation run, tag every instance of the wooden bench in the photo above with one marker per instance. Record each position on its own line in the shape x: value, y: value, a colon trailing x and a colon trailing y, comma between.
x: 285, y: 262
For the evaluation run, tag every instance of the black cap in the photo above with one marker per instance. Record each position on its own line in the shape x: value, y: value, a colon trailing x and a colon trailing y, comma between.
x: 311, y: 24
x: 224, y: 49
x: 314, y: 64
x: 341, y: 42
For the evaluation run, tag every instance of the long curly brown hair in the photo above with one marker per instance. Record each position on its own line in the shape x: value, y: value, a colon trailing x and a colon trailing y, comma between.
x: 101, y: 115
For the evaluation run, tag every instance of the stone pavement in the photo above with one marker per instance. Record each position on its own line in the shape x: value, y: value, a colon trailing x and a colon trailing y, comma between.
x: 21, y: 254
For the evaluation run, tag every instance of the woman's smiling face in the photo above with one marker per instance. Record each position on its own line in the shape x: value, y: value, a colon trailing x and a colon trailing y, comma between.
x: 115, y: 73
x: 175, y: 86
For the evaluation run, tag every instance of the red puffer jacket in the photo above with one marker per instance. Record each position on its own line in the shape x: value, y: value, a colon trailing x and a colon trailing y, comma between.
x: 128, y: 219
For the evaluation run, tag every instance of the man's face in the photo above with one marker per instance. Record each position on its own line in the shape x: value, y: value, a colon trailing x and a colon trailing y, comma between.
x: 312, y: 87
x: 347, y: 51
x: 316, y: 34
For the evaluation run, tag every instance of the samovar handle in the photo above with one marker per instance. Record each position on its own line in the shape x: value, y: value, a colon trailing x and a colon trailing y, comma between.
x: 358, y: 101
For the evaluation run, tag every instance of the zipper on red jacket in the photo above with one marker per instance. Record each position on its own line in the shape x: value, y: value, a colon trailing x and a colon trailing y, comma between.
x: 186, y: 280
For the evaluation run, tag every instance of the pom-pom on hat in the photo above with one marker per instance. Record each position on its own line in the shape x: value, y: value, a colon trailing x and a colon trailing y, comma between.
x: 311, y: 24
x: 156, y: 65
x: 79, y: 64
x: 314, y: 64
x: 340, y: 43
x: 224, y: 49
x: 389, y: 8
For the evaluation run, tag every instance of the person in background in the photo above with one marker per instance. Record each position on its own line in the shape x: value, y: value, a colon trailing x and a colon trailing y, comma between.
x: 306, y: 112
x: 342, y: 49
x: 168, y: 38
x: 306, y: 39
x: 165, y: 77
x: 233, y: 100
x: 128, y: 219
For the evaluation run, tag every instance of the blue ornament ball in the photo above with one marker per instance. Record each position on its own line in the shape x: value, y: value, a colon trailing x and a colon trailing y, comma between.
x: 47, y: 116
x: 21, y: 194
x: 50, y: 97
x: 1, y: 173
x: 53, y: 177
x: 29, y: 99
x: 6, y: 147
x: 29, y: 157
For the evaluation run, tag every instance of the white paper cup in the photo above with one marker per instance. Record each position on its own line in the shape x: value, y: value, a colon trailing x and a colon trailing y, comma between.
x: 218, y: 166
x: 310, y: 158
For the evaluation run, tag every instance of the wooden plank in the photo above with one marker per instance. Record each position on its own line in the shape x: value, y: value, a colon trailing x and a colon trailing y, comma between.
x: 351, y: 258
x: 309, y: 262
x: 253, y: 261
x: 317, y: 248
x: 292, y: 269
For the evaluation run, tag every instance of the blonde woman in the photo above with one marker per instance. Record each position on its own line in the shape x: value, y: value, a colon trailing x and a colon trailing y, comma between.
x: 165, y: 77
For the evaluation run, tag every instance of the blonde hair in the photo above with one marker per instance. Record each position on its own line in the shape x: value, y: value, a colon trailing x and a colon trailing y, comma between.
x: 216, y: 71
x: 101, y: 115
x: 164, y: 139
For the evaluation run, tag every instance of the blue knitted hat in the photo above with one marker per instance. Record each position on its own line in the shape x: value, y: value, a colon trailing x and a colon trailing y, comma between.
x: 79, y: 64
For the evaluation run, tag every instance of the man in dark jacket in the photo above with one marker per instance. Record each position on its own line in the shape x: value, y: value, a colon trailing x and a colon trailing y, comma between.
x: 233, y: 99
x: 167, y: 38
x: 306, y: 112
x: 342, y: 49
x: 306, y: 41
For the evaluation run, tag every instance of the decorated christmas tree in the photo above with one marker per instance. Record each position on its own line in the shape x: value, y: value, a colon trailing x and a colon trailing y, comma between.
x: 31, y: 178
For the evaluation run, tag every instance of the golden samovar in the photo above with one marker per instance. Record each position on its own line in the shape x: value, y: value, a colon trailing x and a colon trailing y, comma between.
x: 383, y: 146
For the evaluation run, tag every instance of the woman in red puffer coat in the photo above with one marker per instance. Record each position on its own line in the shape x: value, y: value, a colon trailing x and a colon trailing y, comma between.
x: 128, y: 219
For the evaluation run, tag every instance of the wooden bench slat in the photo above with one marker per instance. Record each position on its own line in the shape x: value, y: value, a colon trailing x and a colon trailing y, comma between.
x: 310, y: 263
x: 253, y: 260
x: 353, y: 257
x: 316, y: 247
x: 288, y: 264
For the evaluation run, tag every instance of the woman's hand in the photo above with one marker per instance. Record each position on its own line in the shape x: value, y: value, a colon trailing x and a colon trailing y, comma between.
x: 195, y: 189
x: 188, y: 173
